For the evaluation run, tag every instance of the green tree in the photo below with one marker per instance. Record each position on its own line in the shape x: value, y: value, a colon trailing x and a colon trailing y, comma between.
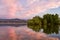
x: 47, y: 23
x: 56, y: 19
x: 35, y: 23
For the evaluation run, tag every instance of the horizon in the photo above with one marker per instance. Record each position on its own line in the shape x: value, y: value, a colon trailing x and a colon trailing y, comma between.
x: 27, y: 9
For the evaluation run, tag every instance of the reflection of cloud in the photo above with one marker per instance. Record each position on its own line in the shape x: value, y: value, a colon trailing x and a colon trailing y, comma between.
x: 25, y: 33
x: 22, y: 33
x: 12, y: 34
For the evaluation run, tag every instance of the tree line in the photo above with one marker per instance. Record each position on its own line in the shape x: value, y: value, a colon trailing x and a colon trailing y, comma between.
x: 37, y: 22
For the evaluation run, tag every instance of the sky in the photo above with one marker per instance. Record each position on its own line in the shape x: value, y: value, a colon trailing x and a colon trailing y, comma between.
x: 26, y: 9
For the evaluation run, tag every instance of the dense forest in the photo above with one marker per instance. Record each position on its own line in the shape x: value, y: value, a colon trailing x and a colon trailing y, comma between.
x: 47, y: 22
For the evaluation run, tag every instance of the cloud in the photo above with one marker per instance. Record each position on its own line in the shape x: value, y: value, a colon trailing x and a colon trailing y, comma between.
x: 10, y: 8
x: 29, y: 2
x: 16, y: 9
x: 40, y: 6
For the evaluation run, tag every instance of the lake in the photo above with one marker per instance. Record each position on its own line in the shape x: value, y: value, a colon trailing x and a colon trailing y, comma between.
x: 23, y: 33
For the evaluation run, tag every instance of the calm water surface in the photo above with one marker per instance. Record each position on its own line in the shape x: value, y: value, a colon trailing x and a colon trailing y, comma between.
x: 22, y: 33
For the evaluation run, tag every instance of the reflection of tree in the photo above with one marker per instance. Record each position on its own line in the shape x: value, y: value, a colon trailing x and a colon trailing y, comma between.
x: 51, y: 29
x: 47, y: 28
x: 35, y: 28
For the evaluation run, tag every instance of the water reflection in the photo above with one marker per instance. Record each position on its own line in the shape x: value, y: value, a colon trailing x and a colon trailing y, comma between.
x: 35, y: 27
x: 49, y: 29
x: 19, y: 33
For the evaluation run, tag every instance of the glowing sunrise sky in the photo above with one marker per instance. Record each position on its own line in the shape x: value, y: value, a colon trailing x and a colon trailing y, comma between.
x: 26, y: 9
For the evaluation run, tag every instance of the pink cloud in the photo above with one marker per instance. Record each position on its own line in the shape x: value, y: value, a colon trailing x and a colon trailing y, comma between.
x: 37, y: 7
x: 10, y: 9
x: 29, y: 2
x: 33, y: 7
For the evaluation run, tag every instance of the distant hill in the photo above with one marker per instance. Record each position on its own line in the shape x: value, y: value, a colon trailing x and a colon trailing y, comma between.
x: 13, y: 20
